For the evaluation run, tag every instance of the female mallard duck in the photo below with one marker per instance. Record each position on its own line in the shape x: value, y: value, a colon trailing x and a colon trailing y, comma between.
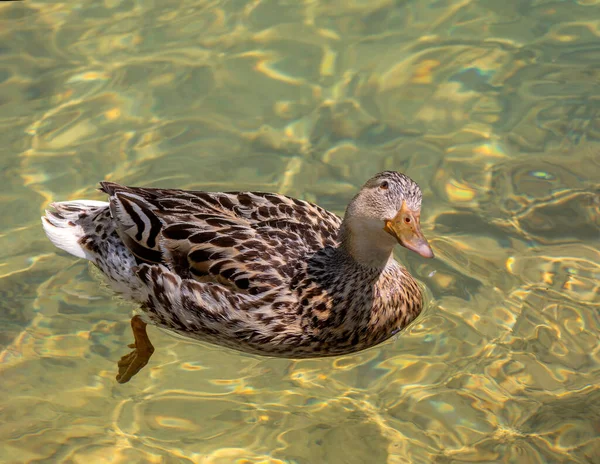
x: 259, y: 272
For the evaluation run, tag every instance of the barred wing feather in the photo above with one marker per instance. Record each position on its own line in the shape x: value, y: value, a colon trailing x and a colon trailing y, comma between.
x: 243, y: 240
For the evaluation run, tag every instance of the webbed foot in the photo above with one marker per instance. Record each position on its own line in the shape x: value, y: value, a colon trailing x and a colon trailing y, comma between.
x: 132, y: 363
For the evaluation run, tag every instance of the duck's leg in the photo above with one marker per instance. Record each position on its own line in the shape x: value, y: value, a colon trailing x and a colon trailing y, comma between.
x: 132, y: 363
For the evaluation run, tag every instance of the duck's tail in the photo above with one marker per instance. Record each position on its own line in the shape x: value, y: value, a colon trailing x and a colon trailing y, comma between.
x: 70, y: 225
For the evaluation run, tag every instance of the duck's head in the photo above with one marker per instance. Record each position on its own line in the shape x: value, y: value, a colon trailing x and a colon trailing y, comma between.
x: 386, y: 211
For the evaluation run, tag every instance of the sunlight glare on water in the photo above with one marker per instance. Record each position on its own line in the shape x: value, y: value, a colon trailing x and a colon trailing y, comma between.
x: 492, y: 107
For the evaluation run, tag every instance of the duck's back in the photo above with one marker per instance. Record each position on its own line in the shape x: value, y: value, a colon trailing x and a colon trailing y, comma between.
x: 248, y: 241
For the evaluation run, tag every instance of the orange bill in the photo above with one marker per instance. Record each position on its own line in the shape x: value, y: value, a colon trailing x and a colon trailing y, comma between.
x: 406, y: 227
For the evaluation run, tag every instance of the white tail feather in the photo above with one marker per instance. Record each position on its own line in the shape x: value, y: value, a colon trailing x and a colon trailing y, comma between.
x: 64, y: 229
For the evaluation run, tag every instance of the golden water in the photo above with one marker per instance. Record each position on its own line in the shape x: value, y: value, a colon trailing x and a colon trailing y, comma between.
x: 493, y: 107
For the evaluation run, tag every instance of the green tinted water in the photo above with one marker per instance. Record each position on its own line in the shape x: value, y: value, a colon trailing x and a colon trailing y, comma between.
x: 492, y: 107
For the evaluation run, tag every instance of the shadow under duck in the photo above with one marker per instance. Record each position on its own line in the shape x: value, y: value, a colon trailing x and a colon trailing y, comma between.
x: 261, y: 273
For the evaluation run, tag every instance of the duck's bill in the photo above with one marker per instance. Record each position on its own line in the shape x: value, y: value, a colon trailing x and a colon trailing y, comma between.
x: 406, y: 227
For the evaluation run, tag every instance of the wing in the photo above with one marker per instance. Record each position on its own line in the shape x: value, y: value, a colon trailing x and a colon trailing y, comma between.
x: 248, y: 241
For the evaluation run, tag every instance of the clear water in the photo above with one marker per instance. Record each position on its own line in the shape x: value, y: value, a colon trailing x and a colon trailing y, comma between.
x: 493, y: 107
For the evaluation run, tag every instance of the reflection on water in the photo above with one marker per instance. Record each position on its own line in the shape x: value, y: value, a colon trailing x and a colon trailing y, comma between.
x: 491, y: 106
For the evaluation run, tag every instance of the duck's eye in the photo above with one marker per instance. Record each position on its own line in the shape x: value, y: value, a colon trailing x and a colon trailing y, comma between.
x: 407, y: 220
x: 384, y: 185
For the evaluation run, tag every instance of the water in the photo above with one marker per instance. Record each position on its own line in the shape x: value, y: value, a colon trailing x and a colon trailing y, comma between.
x: 492, y: 107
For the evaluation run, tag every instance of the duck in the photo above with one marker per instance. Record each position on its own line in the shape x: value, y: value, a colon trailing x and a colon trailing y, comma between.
x: 261, y: 273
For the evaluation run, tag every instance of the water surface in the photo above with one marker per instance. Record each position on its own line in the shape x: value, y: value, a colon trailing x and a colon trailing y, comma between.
x: 492, y: 107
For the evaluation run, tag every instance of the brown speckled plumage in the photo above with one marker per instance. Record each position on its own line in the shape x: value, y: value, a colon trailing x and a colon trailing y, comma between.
x: 258, y: 272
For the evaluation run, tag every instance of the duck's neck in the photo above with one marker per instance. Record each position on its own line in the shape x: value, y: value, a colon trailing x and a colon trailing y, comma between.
x: 370, y: 248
